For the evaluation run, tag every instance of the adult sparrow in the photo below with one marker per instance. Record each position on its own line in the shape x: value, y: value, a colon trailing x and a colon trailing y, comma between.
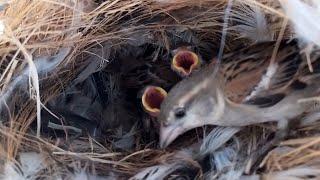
x: 251, y: 86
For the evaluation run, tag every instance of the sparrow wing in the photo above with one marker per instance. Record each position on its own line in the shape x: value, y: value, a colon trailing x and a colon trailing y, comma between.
x: 252, y: 78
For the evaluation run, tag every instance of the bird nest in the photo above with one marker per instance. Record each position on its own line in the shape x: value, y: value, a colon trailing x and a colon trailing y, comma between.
x: 84, y: 65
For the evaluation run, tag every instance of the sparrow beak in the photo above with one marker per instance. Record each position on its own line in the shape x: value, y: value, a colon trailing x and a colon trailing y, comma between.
x: 184, y: 62
x: 169, y: 133
x: 152, y: 98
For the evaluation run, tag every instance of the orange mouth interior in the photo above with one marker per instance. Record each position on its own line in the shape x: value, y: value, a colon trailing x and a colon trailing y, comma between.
x: 152, y: 99
x: 185, y: 61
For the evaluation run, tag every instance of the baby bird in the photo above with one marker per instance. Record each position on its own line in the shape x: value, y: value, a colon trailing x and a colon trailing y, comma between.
x: 152, y: 98
x: 184, y: 61
x: 250, y: 87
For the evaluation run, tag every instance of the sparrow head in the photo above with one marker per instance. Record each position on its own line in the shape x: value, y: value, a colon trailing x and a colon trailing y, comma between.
x: 184, y: 61
x: 152, y: 98
x: 192, y: 103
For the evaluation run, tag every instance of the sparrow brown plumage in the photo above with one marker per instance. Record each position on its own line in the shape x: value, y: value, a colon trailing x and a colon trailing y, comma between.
x: 250, y: 87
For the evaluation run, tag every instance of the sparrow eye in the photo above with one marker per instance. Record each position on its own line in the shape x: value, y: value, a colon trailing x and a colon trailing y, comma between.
x: 180, y: 112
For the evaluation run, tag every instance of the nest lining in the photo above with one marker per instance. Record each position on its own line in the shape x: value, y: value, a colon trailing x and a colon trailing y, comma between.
x: 102, y: 39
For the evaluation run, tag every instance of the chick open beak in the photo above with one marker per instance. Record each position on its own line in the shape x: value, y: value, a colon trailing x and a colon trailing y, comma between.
x: 152, y: 98
x: 184, y: 62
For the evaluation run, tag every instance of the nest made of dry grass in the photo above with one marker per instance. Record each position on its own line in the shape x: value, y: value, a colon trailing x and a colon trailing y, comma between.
x: 35, y: 28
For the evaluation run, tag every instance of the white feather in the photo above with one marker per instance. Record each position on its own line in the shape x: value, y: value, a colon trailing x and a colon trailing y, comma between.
x: 42, y: 65
x: 305, y: 18
x: 265, y: 81
x: 82, y: 175
x: 11, y: 172
x: 216, y: 138
x: 155, y: 172
x: 298, y: 173
x: 310, y: 118
x: 252, y: 23
x: 224, y: 158
x: 30, y: 164
x: 1, y: 27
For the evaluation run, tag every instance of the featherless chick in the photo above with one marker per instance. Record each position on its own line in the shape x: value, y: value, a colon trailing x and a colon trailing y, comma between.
x: 250, y: 87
